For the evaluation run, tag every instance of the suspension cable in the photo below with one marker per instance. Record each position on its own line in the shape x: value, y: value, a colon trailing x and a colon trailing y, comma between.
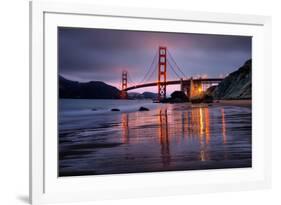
x: 130, y: 79
x: 150, y: 68
x: 173, y: 69
x: 120, y: 84
x: 176, y: 64
x: 153, y: 72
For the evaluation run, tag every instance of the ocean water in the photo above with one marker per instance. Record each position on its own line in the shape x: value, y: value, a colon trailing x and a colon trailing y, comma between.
x: 170, y: 137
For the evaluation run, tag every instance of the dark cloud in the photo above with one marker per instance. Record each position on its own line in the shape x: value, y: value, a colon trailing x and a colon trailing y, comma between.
x: 100, y: 54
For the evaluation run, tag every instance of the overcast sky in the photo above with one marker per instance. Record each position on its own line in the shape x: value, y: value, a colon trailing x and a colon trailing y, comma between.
x: 101, y: 55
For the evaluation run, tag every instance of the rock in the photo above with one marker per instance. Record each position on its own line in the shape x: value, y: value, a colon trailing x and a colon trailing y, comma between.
x: 143, y: 109
x: 178, y: 96
x: 115, y: 110
x: 94, y: 109
x: 208, y: 98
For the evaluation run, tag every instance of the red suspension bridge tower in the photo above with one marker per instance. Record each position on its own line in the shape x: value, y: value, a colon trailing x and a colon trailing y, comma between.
x: 124, y: 94
x: 162, y: 72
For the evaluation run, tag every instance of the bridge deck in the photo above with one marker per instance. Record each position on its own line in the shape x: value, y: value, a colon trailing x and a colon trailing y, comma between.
x: 175, y: 82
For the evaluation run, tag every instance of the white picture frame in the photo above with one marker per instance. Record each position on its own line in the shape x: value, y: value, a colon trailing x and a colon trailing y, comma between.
x: 46, y: 187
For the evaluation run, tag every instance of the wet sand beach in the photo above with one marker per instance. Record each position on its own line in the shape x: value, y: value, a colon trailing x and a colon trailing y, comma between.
x: 169, y: 137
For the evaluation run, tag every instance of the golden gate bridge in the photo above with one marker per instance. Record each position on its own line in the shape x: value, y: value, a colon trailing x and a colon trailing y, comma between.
x: 162, y: 60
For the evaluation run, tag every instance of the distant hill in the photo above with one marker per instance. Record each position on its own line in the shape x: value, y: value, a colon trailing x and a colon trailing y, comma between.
x: 144, y: 95
x: 237, y: 85
x: 133, y: 95
x: 150, y: 95
x: 88, y: 90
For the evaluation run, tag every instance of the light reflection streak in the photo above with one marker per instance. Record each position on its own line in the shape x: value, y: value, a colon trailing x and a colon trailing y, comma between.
x: 207, y: 124
x: 125, y: 128
x: 223, y: 127
x: 200, y: 126
x: 164, y: 137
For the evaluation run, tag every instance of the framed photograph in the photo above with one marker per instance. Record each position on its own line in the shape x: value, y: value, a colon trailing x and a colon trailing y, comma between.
x: 129, y: 102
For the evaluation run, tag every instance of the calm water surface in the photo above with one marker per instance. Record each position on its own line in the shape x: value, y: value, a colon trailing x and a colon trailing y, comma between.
x: 168, y: 137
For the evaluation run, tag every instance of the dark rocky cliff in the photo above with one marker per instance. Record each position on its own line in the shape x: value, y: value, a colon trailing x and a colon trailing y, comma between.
x: 88, y: 90
x: 237, y: 85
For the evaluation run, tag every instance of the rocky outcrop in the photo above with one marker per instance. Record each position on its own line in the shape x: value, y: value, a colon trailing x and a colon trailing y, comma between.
x: 237, y: 85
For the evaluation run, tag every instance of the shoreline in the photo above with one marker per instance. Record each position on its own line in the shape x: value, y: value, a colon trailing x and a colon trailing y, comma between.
x: 240, y: 103
x: 153, y: 106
